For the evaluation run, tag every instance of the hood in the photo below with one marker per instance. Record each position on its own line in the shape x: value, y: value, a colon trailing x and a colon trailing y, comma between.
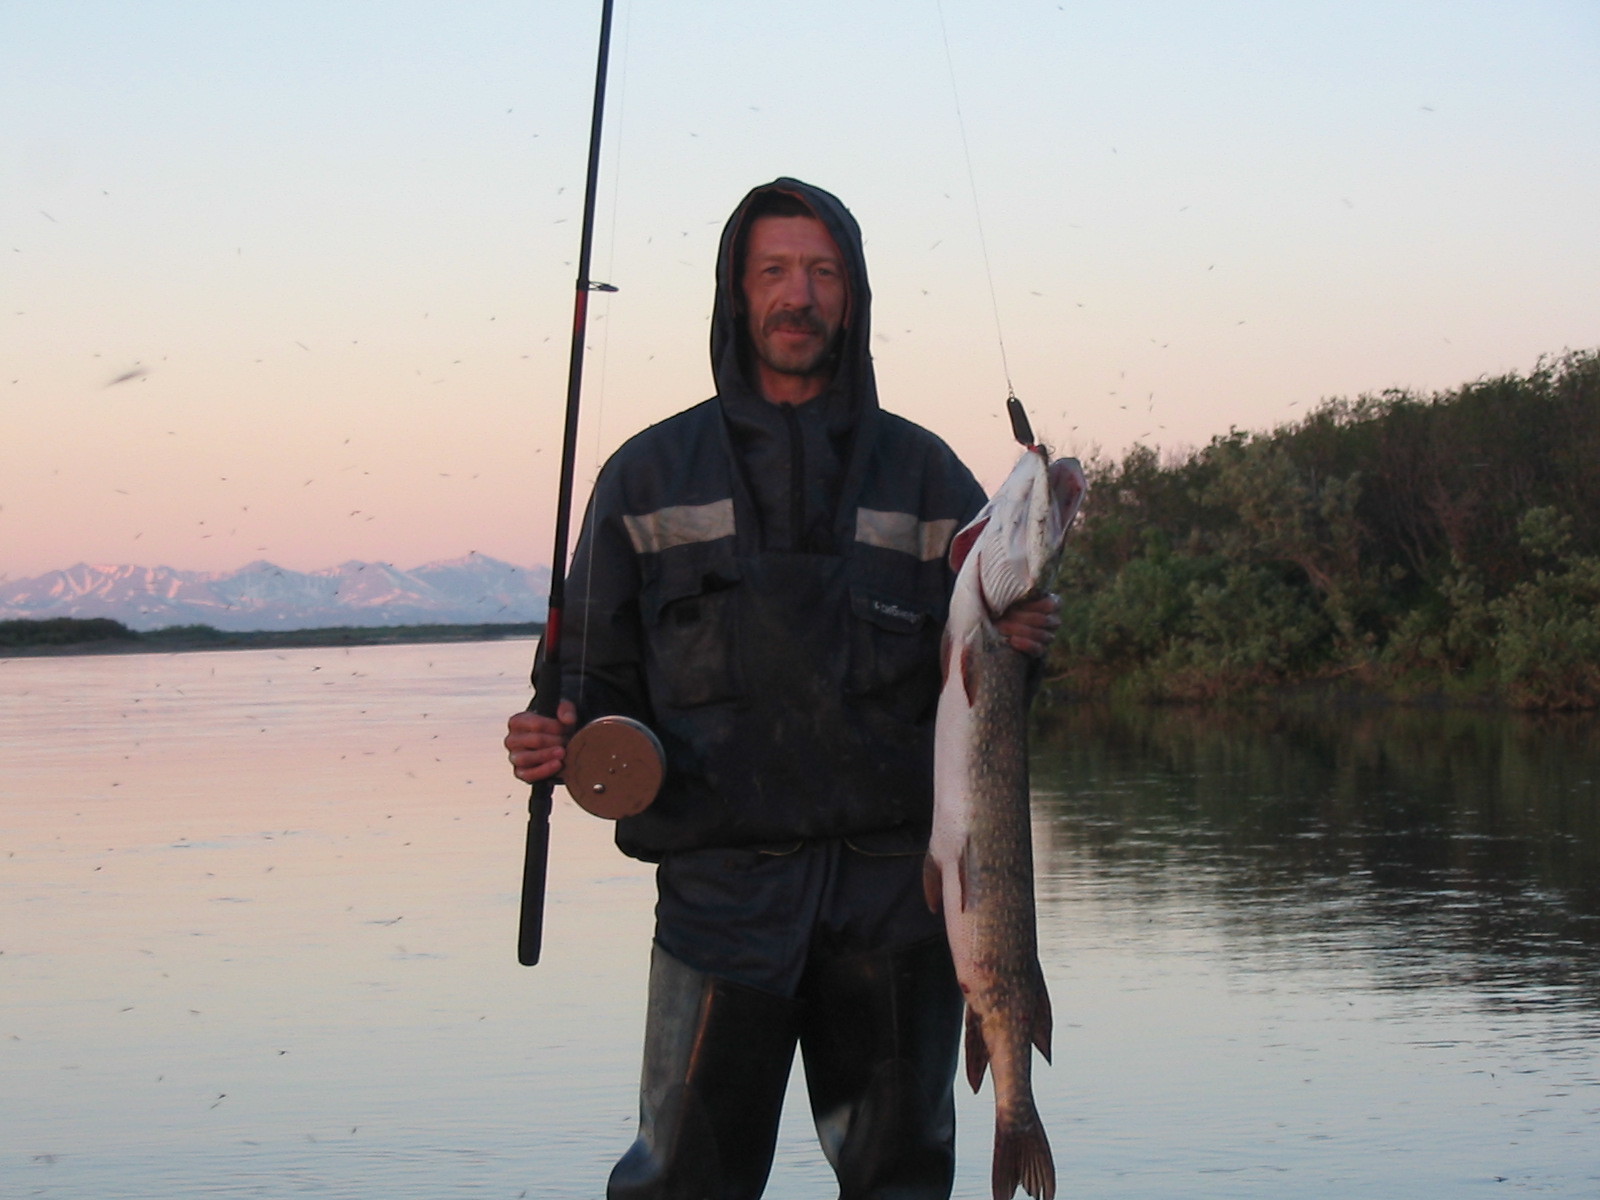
x: 853, y: 378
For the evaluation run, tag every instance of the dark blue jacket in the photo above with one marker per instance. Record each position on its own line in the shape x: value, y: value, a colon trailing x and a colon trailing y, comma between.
x: 765, y: 587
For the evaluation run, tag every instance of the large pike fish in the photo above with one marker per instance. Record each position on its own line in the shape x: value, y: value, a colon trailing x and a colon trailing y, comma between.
x: 980, y: 857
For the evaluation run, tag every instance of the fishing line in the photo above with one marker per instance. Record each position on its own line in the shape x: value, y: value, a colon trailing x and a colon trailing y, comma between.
x: 977, y: 211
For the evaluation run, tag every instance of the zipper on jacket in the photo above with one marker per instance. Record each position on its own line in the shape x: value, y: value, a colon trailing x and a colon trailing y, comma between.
x: 797, y: 479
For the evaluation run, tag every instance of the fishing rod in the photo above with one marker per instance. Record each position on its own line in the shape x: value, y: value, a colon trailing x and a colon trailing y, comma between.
x: 547, y: 666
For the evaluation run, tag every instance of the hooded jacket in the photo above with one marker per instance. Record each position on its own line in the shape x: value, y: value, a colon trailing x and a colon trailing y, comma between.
x: 765, y: 586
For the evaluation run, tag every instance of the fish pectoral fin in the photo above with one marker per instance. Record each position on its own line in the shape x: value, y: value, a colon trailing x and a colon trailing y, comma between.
x: 961, y: 545
x: 1003, y: 579
x: 932, y: 884
x: 977, y: 1049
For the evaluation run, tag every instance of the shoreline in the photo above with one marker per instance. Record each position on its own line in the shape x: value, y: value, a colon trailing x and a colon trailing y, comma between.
x: 1057, y: 693
x: 182, y: 640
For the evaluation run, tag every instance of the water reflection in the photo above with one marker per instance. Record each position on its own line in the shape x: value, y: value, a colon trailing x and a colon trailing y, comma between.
x: 1457, y: 842
x: 1324, y: 953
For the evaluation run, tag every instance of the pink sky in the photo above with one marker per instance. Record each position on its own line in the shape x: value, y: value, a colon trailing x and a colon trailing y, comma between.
x: 339, y: 255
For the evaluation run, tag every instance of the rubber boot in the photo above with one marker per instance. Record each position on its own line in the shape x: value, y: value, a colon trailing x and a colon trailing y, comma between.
x: 716, y: 1064
x: 880, y: 1037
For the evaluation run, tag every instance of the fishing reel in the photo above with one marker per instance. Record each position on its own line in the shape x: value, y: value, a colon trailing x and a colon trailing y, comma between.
x: 614, y: 767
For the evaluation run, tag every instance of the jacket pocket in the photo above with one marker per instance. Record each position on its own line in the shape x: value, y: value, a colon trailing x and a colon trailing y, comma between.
x: 691, y: 628
x: 894, y: 659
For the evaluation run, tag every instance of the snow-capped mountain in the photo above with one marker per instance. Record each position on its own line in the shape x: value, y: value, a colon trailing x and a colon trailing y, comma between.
x: 472, y: 590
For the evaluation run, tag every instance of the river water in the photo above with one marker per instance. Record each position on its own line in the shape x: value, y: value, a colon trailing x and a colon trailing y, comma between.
x: 258, y: 919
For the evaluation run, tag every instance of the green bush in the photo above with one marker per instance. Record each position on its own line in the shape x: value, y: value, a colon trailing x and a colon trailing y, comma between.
x: 1443, y: 543
x: 1548, y: 648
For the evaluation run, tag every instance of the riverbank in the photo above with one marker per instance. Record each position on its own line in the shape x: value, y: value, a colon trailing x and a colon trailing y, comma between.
x: 181, y: 639
x: 1421, y: 547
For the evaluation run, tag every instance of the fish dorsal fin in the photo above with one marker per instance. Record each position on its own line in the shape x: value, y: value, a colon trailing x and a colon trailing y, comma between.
x: 1042, y: 1023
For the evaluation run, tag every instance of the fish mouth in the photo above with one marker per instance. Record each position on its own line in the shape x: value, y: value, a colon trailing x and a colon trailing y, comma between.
x: 1064, y: 478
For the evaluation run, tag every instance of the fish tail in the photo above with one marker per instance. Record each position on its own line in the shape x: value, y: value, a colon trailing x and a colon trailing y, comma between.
x: 1022, y: 1158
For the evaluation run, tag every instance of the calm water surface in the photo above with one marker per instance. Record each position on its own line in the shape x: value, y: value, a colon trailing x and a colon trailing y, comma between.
x: 258, y: 912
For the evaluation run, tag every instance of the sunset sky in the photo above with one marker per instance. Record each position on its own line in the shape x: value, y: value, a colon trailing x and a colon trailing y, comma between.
x: 292, y: 280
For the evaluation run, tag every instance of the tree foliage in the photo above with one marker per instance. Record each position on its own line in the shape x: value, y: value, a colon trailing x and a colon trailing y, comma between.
x: 63, y: 631
x: 1446, y: 544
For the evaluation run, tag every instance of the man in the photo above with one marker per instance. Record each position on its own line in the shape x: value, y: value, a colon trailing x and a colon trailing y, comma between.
x: 762, y: 580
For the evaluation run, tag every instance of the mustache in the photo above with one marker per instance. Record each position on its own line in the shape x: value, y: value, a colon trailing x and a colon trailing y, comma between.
x: 795, y: 322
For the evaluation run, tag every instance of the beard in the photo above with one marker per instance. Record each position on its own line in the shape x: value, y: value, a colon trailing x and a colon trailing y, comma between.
x: 805, y: 358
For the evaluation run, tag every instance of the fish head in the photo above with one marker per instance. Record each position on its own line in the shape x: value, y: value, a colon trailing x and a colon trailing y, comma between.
x: 1013, y: 544
x: 1065, y: 489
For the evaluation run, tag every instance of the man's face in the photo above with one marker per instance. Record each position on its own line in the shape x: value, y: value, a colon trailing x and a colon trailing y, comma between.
x: 795, y: 299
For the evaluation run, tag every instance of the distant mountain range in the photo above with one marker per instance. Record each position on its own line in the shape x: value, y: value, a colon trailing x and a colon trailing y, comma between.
x: 472, y: 590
